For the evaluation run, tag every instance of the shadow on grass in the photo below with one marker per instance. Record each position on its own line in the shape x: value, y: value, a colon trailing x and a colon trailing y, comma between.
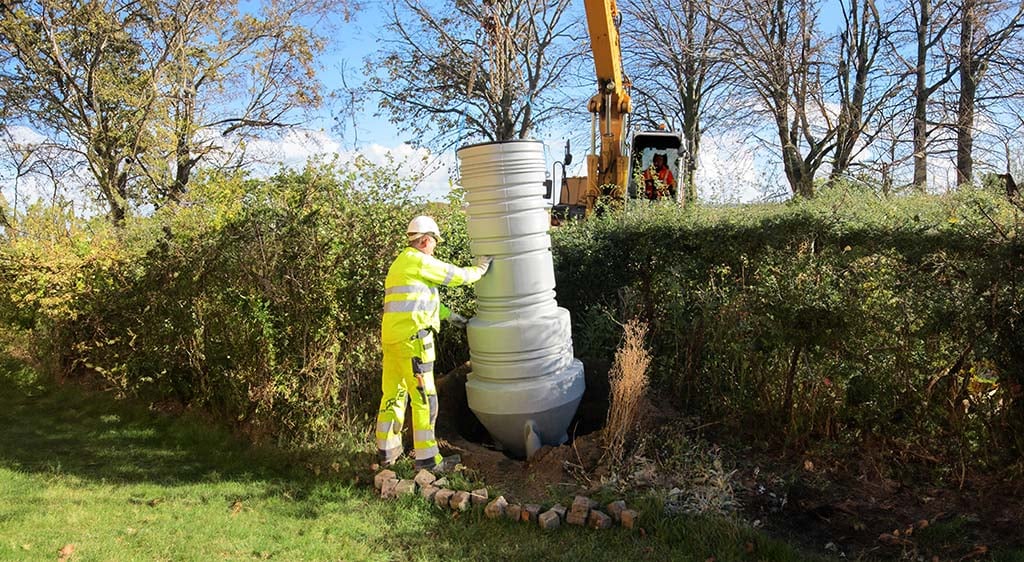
x: 48, y: 428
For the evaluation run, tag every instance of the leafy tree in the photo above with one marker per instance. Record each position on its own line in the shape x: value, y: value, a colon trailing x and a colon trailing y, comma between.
x: 140, y: 91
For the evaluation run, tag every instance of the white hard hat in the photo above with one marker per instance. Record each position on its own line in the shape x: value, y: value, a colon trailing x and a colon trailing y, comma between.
x: 423, y: 225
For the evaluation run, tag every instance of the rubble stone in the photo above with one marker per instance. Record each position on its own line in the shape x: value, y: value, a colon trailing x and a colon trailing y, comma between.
x: 425, y: 478
x: 598, y: 520
x: 441, y: 482
x: 615, y: 510
x: 530, y: 512
x: 479, y: 497
x: 549, y: 520
x: 460, y: 501
x: 387, y: 489
x: 496, y: 508
x: 428, y: 491
x: 381, y: 477
x: 583, y: 503
x: 576, y: 517
x: 443, y: 497
x: 405, y: 488
x: 513, y: 511
x: 559, y: 509
x: 629, y: 518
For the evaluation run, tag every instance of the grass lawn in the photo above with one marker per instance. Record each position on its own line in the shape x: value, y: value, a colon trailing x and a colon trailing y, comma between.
x: 119, y: 482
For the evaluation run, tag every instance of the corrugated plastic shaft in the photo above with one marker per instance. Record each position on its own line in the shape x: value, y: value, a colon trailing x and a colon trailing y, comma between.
x: 525, y: 384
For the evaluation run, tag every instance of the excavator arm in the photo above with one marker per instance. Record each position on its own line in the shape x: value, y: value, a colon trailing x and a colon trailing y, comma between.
x: 610, y: 105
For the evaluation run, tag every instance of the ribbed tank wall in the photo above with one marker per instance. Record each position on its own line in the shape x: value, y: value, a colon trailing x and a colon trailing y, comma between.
x: 525, y: 384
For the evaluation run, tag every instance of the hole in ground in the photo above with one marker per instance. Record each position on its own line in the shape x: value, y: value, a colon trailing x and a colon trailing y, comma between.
x: 456, y: 420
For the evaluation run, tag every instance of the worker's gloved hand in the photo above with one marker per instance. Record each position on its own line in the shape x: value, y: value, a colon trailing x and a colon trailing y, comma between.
x: 458, y: 320
x: 484, y: 263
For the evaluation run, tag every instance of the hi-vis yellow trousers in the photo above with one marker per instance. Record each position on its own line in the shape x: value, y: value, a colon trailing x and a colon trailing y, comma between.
x: 408, y: 376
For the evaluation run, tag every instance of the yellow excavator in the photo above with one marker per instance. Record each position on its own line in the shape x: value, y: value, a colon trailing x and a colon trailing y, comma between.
x: 617, y: 171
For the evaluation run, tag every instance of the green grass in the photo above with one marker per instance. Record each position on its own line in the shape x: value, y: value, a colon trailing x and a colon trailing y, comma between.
x: 120, y: 482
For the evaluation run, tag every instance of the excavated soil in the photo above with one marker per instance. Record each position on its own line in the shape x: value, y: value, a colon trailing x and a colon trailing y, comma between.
x: 551, y: 470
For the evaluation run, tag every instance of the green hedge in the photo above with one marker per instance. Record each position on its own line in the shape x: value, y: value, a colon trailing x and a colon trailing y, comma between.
x: 848, y: 318
x: 256, y: 300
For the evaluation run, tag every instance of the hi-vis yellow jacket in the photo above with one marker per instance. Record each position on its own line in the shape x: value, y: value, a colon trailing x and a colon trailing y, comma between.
x: 411, y: 301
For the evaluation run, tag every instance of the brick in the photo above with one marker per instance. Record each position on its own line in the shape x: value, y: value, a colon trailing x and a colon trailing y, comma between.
x: 425, y: 478
x: 530, y: 512
x: 615, y: 510
x: 387, y: 489
x: 460, y: 501
x: 382, y: 477
x: 496, y: 508
x: 513, y: 511
x: 443, y: 497
x: 629, y: 518
x: 428, y: 491
x: 549, y: 520
x: 405, y: 488
x: 598, y: 520
x: 479, y: 497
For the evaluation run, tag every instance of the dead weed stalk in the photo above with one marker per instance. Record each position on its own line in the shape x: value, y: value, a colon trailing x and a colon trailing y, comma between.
x: 628, y: 381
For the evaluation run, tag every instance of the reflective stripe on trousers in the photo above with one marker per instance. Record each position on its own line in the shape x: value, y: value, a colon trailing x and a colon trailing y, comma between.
x: 408, y: 380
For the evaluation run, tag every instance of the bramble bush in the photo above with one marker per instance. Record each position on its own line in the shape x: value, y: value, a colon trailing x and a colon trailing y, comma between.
x: 889, y: 323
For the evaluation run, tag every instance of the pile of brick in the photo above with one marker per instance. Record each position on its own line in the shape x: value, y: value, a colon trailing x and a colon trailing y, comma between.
x: 583, y: 511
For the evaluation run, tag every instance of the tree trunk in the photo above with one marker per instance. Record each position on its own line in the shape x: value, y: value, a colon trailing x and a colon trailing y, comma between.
x: 968, y: 93
x: 921, y: 100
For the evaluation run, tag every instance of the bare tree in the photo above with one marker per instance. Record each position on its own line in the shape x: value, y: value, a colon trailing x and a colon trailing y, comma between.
x: 865, y: 87
x: 490, y: 70
x: 776, y: 48
x: 986, y: 28
x: 680, y: 77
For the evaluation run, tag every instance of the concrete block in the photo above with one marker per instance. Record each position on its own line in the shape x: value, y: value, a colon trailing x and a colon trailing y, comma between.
x: 443, y: 497
x: 615, y: 510
x: 496, y: 508
x: 629, y: 518
x: 425, y: 478
x: 599, y: 520
x: 549, y: 520
x: 460, y: 501
x: 381, y: 477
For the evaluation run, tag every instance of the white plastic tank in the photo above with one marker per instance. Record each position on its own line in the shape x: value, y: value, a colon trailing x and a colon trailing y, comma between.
x: 525, y: 384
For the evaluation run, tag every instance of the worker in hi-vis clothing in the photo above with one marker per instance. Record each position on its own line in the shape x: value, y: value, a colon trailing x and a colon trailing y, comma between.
x: 412, y: 315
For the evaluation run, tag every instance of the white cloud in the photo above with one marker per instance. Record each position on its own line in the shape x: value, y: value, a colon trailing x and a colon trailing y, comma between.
x: 296, y: 147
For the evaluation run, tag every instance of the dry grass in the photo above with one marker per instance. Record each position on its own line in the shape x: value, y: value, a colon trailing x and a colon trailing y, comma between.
x: 628, y: 380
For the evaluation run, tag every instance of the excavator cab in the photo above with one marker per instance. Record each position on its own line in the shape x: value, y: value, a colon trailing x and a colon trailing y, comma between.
x: 655, y: 159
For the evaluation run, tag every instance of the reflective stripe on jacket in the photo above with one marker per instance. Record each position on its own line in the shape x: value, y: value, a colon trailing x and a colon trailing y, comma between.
x: 411, y: 301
